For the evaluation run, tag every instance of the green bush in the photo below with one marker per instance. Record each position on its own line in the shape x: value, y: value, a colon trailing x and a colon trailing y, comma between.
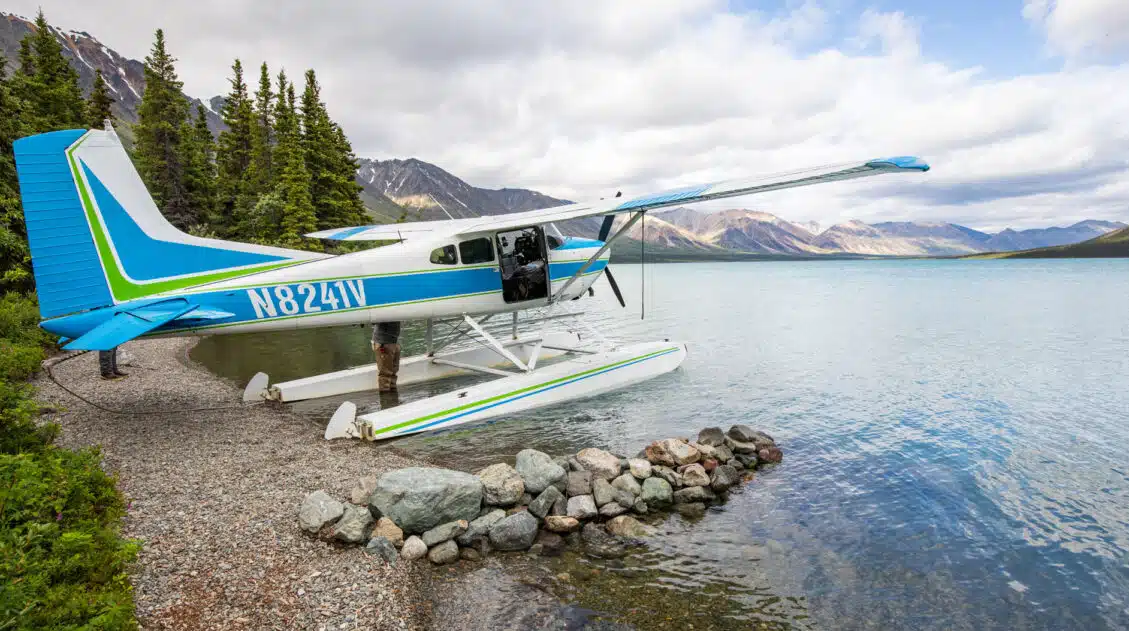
x: 63, y: 563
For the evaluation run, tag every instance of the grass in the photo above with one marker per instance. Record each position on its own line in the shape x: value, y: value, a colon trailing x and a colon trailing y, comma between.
x: 63, y: 562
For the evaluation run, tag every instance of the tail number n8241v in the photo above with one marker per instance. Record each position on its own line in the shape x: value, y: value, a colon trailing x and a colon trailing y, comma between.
x: 304, y: 298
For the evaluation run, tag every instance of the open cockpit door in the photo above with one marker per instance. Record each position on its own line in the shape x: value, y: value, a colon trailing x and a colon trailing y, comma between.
x: 524, y: 264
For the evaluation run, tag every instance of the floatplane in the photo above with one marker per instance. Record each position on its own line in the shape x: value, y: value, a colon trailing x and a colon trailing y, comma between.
x: 109, y: 268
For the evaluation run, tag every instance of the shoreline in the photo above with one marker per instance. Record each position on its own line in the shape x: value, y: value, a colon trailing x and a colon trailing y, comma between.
x: 213, y: 493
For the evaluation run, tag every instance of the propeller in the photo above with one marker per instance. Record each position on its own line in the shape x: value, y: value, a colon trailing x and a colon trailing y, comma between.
x: 605, y: 230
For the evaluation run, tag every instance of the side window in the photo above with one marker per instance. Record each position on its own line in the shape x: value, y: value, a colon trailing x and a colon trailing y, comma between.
x: 476, y: 251
x: 554, y: 242
x: 444, y: 255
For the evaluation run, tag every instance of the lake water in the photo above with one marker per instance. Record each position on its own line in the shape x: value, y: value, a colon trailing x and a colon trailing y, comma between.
x: 956, y: 440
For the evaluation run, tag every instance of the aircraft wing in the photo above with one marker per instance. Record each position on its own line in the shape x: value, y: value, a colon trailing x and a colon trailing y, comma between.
x: 128, y: 324
x: 678, y: 197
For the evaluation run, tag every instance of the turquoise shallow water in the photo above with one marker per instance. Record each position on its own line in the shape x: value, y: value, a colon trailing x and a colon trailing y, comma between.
x: 956, y: 435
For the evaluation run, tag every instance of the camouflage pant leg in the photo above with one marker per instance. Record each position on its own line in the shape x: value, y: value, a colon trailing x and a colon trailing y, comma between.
x: 387, y: 365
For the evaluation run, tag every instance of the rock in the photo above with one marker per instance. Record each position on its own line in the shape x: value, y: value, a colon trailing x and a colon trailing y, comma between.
x: 657, y: 492
x: 515, y: 532
x: 353, y: 525
x: 601, y: 463
x: 582, y: 507
x: 599, y: 543
x: 579, y: 483
x: 712, y: 436
x: 444, y: 532
x: 769, y: 455
x: 537, y: 470
x: 624, y: 498
x: 561, y: 524
x: 640, y: 507
x: 735, y: 463
x: 639, y: 467
x: 480, y: 527
x: 602, y: 491
x: 560, y: 507
x: 693, y: 494
x: 317, y: 510
x: 671, y: 452
x: 363, y: 489
x: 722, y: 453
x: 746, y: 434
x: 383, y: 548
x: 544, y: 502
x: 535, y: 549
x: 446, y: 552
x: 562, y: 462
x: 470, y: 554
x: 709, y: 465
x: 695, y: 475
x: 574, y: 464
x: 551, y: 543
x: 612, y: 509
x: 706, y: 450
x: 670, y: 475
x: 501, y: 484
x: 740, y: 447
x: 413, y: 549
x: 627, y: 482
x: 692, y: 510
x: 420, y: 498
x: 628, y: 526
x: 389, y: 530
x: 749, y: 461
x: 526, y: 498
x: 724, y: 477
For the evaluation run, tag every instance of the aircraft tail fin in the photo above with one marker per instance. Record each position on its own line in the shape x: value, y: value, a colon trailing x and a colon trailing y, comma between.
x: 97, y: 237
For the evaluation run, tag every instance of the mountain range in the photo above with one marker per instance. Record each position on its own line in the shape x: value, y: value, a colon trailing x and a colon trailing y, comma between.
x: 414, y: 190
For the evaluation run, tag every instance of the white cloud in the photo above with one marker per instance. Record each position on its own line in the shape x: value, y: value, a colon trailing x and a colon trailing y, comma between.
x: 578, y: 99
x: 1082, y: 27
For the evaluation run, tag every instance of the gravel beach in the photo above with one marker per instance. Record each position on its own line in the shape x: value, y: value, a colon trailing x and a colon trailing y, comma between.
x: 214, y: 496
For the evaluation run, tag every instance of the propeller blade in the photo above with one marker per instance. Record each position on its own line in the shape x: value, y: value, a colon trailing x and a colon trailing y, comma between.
x: 606, y: 227
x: 615, y: 287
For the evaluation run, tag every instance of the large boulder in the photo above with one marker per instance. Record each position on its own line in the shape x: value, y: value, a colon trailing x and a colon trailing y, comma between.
x: 480, y: 527
x: 602, y: 491
x: 582, y: 507
x: 420, y: 498
x: 544, y: 502
x: 446, y: 552
x: 601, y: 463
x: 671, y: 452
x: 695, y: 475
x: 317, y: 510
x: 627, y: 482
x: 515, y: 532
x: 445, y: 532
x: 579, y: 483
x: 389, y: 530
x: 538, y: 471
x: 501, y: 484
x: 413, y: 549
x: 628, y: 526
x: 353, y: 525
x: 723, y: 477
x: 712, y: 436
x: 657, y: 492
x: 746, y: 434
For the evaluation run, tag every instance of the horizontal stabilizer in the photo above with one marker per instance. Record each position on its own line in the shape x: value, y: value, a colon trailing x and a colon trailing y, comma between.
x: 205, y: 313
x: 127, y: 325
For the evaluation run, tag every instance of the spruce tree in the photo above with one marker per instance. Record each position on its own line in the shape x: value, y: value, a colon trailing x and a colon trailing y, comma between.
x: 15, y: 258
x: 233, y: 156
x: 53, y: 93
x: 160, y: 135
x: 199, y: 164
x: 261, y: 176
x: 298, y: 214
x: 330, y: 161
x: 98, y: 109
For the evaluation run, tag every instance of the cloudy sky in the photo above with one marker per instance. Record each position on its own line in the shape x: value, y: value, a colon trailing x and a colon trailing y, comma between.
x: 1021, y: 106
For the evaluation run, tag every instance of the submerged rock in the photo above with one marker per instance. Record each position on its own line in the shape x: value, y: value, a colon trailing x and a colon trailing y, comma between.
x: 639, y: 467
x: 561, y: 524
x: 420, y: 498
x: 628, y: 526
x: 544, y: 502
x: 601, y: 463
x: 692, y: 510
x: 317, y: 510
x: 695, y: 475
x: 770, y: 455
x: 602, y: 491
x: 480, y: 527
x: 389, y: 530
x: 671, y: 452
x: 598, y: 543
x: 413, y: 548
x: 579, y: 483
x: 582, y: 507
x: 501, y: 484
x: 383, y: 548
x: 551, y: 543
x: 353, y: 525
x: 446, y: 552
x: 515, y: 532
x: 537, y: 469
x: 445, y: 532
x: 657, y: 492
x: 712, y: 436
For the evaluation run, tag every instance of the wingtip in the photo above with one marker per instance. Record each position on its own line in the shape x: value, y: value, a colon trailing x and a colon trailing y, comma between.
x: 909, y: 163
